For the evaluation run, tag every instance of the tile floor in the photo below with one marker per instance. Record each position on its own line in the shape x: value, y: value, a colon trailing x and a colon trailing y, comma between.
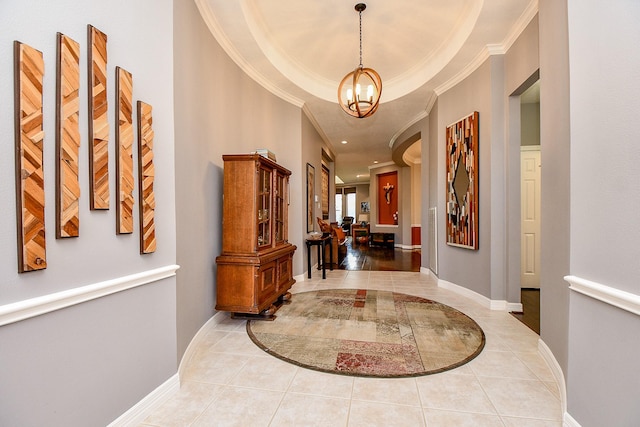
x: 231, y: 382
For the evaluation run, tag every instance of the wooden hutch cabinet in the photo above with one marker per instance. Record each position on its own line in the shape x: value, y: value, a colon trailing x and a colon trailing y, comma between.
x: 255, y: 269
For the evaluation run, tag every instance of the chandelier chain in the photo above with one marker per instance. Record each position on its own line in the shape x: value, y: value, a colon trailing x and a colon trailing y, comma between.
x: 360, y: 14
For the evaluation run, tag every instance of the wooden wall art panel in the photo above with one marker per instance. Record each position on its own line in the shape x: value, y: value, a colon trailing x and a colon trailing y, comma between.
x: 124, y: 152
x: 462, y: 182
x: 67, y: 137
x: 98, y: 120
x: 29, y: 139
x: 146, y: 174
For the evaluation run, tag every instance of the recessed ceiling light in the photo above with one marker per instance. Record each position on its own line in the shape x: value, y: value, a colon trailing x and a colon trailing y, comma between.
x: 344, y: 142
x: 375, y: 162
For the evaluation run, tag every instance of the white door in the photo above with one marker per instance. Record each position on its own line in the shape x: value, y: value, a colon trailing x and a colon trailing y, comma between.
x: 530, y: 211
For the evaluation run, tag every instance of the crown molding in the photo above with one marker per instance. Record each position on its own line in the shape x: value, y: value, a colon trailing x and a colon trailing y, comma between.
x: 529, y: 13
x: 492, y: 49
x: 224, y: 42
x: 307, y: 112
x: 381, y: 165
x: 430, y: 103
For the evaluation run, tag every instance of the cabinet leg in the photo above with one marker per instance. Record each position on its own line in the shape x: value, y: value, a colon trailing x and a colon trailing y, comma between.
x: 285, y: 298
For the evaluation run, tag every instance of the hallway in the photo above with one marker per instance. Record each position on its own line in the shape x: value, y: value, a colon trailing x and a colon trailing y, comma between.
x: 228, y: 381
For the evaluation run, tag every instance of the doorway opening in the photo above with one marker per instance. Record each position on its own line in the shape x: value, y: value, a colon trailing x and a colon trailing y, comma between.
x: 528, y: 276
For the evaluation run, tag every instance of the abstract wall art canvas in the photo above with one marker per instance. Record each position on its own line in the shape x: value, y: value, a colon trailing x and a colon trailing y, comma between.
x: 462, y: 139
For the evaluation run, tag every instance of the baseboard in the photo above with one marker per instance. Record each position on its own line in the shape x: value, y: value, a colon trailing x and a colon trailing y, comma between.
x: 22, y: 310
x: 546, y: 353
x: 300, y: 277
x: 569, y: 421
x: 514, y: 306
x: 495, y: 305
x: 480, y: 299
x: 147, y: 405
x: 408, y: 247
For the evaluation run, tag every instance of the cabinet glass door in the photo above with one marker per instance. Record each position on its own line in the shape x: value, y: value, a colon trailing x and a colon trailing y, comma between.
x: 279, y: 208
x: 264, y: 207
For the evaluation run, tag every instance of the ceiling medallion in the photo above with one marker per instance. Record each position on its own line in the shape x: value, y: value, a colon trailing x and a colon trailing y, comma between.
x: 352, y: 99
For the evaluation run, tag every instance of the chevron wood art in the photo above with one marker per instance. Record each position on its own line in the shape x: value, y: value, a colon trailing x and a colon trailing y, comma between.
x: 146, y: 175
x: 124, y: 152
x: 67, y: 137
x: 29, y: 138
x: 98, y: 120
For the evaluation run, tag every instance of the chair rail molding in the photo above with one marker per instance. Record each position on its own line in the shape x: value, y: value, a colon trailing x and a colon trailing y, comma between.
x: 616, y: 297
x: 22, y: 310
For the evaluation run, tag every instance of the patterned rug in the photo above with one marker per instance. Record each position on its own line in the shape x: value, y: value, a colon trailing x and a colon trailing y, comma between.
x: 369, y: 333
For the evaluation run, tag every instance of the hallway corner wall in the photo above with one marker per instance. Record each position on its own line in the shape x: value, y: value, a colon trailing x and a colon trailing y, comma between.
x: 603, y: 374
x: 219, y: 110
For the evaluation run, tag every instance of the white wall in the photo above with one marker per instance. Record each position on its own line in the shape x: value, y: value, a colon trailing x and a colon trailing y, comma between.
x: 87, y: 364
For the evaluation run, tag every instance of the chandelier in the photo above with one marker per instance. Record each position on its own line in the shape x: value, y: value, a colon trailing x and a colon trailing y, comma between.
x: 352, y: 98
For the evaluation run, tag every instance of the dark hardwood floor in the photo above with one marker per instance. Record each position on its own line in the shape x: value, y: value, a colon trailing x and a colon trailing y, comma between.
x: 360, y: 256
x: 530, y: 314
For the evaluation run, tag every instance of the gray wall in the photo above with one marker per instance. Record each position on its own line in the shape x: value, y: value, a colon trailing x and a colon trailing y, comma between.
x: 487, y: 91
x: 220, y: 110
x: 603, y: 377
x: 554, y: 142
x: 87, y: 364
x: 472, y: 94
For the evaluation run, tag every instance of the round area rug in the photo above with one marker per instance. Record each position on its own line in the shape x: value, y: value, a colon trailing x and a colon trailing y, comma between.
x: 369, y: 333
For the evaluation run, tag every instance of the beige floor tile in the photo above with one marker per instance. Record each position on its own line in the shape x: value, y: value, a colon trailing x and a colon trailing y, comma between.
x: 521, y: 398
x: 401, y: 391
x: 437, y: 418
x: 304, y: 410
x: 230, y: 381
x: 214, y: 368
x: 370, y: 414
x: 224, y: 322
x: 186, y: 405
x: 527, y: 422
x: 552, y: 386
x: 267, y: 373
x: 211, y: 338
x: 454, y: 393
x: 317, y: 383
x: 503, y: 364
x: 537, y: 364
x: 240, y: 407
x: 237, y: 343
